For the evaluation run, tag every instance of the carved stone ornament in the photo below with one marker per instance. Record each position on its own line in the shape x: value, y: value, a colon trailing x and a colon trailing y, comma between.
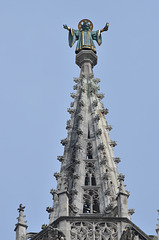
x: 106, y: 176
x: 68, y: 126
x: 60, y: 158
x: 99, y: 132
x: 100, y: 95
x: 73, y: 209
x: 117, y: 160
x: 73, y: 95
x: 80, y: 117
x: 90, y: 230
x: 81, y: 103
x: 49, y: 209
x: 113, y: 143
x: 95, y: 103
x: 57, y: 175
x: 75, y: 87
x: 70, y: 110
x: 76, y: 80
x: 97, y: 118
x: 64, y: 142
x: 130, y: 234
x: 82, y: 89
x: 101, y: 146
x: 105, y: 111
x: 72, y: 104
x: 96, y: 80
x: 44, y: 226
x: 79, y: 131
x: 109, y: 127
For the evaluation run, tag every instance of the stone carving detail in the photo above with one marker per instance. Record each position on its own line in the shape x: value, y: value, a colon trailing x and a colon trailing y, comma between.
x: 57, y: 175
x: 130, y: 233
x: 80, y: 117
x: 89, y: 150
x: 49, y: 209
x: 100, y: 95
x: 82, y: 89
x: 60, y: 158
x: 99, y: 132
x: 109, y: 127
x: 71, y: 104
x: 113, y: 143
x: 68, y: 126
x: 75, y: 87
x: 92, y: 90
x: 111, y: 210
x: 70, y: 110
x: 101, y: 146
x: 79, y: 131
x: 95, y: 103
x: 76, y: 80
x: 105, y: 111
x: 73, y: 209
x: 93, y: 231
x: 96, y: 80
x: 81, y: 103
x: 106, y: 176
x: 74, y: 95
x: 64, y: 142
x: 117, y: 160
x: 97, y: 118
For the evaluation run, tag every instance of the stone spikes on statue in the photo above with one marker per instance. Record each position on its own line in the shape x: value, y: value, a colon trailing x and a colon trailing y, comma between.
x: 85, y: 36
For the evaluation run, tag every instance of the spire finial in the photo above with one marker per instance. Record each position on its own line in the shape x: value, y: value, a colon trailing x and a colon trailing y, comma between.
x: 21, y: 224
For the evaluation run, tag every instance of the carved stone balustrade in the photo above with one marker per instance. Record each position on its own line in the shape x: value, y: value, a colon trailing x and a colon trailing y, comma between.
x: 113, y: 143
x: 64, y: 142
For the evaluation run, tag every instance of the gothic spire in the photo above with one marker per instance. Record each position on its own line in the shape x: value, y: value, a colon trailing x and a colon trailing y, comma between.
x: 21, y: 224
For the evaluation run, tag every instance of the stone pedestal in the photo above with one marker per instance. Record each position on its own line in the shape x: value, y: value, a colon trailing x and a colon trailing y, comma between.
x: 86, y: 60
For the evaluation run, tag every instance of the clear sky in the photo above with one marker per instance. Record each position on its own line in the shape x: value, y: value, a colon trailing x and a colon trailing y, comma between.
x: 36, y: 77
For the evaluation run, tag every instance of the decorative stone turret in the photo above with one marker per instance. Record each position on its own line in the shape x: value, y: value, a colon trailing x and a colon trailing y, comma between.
x: 21, y: 225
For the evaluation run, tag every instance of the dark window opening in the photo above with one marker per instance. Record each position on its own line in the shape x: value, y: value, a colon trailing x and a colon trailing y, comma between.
x: 87, y: 182
x: 95, y: 207
x: 86, y: 208
x: 93, y: 180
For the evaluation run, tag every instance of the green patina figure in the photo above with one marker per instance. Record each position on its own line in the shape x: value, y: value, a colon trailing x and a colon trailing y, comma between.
x: 85, y: 35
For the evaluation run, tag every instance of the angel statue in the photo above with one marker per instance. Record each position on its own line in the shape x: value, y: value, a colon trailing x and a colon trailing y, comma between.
x: 85, y: 35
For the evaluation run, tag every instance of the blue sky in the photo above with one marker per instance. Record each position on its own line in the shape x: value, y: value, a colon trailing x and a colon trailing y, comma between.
x: 36, y: 78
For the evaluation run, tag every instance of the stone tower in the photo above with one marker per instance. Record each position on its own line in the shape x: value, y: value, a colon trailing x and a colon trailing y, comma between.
x: 90, y: 201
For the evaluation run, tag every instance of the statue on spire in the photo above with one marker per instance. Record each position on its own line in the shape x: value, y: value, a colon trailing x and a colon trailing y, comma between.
x: 85, y: 35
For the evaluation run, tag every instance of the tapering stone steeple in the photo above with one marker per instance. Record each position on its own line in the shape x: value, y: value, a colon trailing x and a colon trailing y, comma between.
x: 90, y: 201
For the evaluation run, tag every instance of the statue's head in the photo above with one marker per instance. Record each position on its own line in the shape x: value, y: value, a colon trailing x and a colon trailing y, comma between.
x: 86, y: 26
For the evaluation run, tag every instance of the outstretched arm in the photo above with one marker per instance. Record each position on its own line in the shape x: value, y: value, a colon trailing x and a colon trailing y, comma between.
x: 105, y: 28
x: 66, y: 27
